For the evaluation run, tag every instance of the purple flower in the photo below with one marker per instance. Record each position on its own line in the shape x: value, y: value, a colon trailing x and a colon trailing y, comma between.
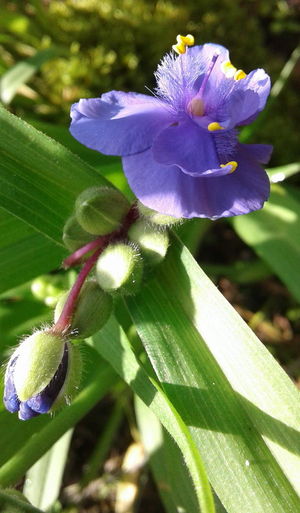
x: 179, y: 148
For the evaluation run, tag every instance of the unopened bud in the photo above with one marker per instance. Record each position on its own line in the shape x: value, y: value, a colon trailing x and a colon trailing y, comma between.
x: 101, y: 210
x: 119, y: 269
x: 92, y: 311
x: 156, y: 218
x: 38, y: 358
x: 42, y: 371
x: 152, y: 242
x: 74, y: 236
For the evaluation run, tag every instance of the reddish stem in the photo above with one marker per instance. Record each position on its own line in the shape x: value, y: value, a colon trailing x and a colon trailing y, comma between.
x: 79, y: 253
x: 65, y: 319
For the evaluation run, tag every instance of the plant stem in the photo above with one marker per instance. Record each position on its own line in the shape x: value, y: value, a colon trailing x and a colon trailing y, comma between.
x: 75, y: 258
x: 65, y: 319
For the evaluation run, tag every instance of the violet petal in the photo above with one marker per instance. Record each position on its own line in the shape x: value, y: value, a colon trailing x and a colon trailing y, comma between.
x: 187, y: 146
x: 168, y: 190
x: 119, y: 123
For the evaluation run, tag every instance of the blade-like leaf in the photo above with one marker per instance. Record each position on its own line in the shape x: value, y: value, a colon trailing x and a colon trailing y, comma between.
x: 275, y: 235
x: 167, y: 464
x: 37, y: 181
x: 12, y: 502
x: 242, y: 409
x: 43, y: 480
x: 280, y: 173
x: 22, y: 72
x: 24, y: 253
x: 113, y: 345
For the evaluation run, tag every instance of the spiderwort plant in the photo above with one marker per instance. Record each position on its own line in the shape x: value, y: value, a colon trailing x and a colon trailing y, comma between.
x: 180, y: 148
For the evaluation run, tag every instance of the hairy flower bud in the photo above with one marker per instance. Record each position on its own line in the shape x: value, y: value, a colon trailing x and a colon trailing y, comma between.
x: 101, y: 210
x: 152, y: 242
x: 92, y: 311
x: 74, y: 236
x: 39, y: 373
x: 119, y: 268
x: 156, y: 218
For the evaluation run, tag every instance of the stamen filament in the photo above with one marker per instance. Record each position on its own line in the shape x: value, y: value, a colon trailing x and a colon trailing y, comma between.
x: 211, y: 67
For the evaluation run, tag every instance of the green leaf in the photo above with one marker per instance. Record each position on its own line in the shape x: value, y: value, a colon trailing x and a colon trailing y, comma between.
x: 19, y: 449
x: 40, y: 181
x: 13, y: 502
x: 24, y: 253
x: 275, y: 236
x: 21, y: 72
x: 167, y: 464
x: 43, y: 480
x: 119, y: 354
x: 280, y: 173
x: 240, y: 406
x: 109, y: 167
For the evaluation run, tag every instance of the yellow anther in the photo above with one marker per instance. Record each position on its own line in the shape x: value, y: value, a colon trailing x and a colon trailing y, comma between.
x: 214, y: 126
x: 182, y: 43
x: 228, y: 69
x: 179, y: 48
x: 188, y: 40
x: 239, y: 74
x: 233, y: 165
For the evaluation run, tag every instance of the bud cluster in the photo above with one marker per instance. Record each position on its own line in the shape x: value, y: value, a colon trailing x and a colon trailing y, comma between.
x: 123, y: 242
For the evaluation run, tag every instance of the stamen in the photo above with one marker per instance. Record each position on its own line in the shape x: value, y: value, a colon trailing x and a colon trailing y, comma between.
x: 233, y: 165
x: 228, y: 69
x: 211, y: 67
x: 214, y: 126
x: 182, y: 43
x: 239, y: 74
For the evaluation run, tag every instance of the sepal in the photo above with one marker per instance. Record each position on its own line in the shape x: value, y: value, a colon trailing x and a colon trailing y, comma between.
x: 152, y: 242
x: 74, y: 236
x: 92, y: 311
x: 101, y: 210
x: 155, y: 218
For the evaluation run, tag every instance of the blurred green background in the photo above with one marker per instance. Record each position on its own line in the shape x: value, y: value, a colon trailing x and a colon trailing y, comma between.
x: 82, y: 48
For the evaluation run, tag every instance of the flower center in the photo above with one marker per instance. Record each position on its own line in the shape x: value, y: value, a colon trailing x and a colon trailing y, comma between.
x: 196, y: 107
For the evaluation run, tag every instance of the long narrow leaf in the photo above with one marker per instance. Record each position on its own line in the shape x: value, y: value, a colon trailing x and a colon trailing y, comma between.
x: 43, y: 480
x: 113, y: 345
x: 166, y: 462
x: 275, y: 235
x: 37, y: 182
x: 21, y: 72
x: 242, y: 409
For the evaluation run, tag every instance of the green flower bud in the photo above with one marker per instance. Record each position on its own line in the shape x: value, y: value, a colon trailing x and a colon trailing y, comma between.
x: 156, y: 218
x: 119, y: 269
x: 101, y: 210
x: 38, y: 359
x: 22, y: 376
x: 93, y: 309
x: 152, y: 243
x: 74, y: 236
